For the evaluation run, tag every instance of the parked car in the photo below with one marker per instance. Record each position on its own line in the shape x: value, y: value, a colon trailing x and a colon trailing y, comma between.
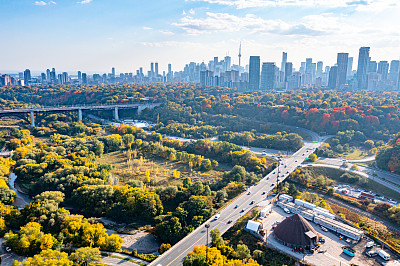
x: 372, y: 253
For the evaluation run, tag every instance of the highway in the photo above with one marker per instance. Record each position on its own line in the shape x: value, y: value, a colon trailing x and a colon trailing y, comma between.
x: 232, y: 212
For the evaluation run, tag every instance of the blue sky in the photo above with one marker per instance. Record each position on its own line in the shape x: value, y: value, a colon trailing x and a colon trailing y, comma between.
x: 95, y: 35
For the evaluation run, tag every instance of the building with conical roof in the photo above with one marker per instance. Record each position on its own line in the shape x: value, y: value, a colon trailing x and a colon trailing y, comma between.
x: 295, y: 231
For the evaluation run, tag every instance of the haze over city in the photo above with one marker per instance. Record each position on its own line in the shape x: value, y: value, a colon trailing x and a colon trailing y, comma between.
x: 95, y: 35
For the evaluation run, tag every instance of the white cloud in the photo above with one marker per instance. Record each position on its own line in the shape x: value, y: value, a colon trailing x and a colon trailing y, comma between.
x: 167, y: 32
x: 147, y: 28
x: 83, y: 2
x: 363, y: 4
x: 43, y: 3
x: 191, y: 11
x: 175, y: 44
x: 224, y: 22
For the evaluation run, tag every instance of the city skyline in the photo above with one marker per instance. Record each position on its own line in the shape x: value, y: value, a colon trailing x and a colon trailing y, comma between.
x: 95, y: 35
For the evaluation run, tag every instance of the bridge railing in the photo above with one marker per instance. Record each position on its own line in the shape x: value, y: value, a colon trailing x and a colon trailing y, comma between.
x: 81, y: 105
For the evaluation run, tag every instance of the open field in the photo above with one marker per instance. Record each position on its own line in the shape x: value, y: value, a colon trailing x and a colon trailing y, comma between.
x: 160, y: 171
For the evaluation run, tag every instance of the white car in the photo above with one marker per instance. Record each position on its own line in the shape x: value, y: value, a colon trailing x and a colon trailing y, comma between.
x: 324, y: 229
x: 217, y: 216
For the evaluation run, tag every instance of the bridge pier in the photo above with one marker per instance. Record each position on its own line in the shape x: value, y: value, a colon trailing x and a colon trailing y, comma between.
x: 116, y: 116
x: 141, y: 108
x: 32, y: 118
x: 79, y: 114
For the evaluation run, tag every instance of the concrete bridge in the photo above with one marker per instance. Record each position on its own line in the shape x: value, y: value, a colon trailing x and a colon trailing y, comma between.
x: 77, y: 108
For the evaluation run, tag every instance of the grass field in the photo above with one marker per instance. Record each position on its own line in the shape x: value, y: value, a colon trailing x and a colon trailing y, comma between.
x: 160, y: 171
x: 355, y: 153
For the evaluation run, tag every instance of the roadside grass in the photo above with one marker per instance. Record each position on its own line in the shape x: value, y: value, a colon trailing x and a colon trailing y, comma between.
x: 122, y: 258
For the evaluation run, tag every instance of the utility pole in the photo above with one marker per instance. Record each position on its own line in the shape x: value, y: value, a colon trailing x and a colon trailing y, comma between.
x: 207, y: 226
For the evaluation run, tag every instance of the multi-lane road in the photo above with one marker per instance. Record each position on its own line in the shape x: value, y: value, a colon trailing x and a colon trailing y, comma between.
x: 256, y: 195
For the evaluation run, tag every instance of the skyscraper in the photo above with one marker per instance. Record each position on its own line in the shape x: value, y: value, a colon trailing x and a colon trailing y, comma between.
x: 288, y: 70
x: 383, y: 69
x: 27, y: 77
x: 284, y: 60
x: 215, y: 63
x: 350, y: 67
x: 342, y: 62
x: 113, y: 72
x: 228, y: 63
x: 320, y: 66
x: 268, y: 76
x: 48, y: 75
x: 156, y: 69
x: 79, y: 75
x: 254, y: 73
x: 309, y: 65
x: 363, y: 58
x: 333, y: 74
x: 152, y: 69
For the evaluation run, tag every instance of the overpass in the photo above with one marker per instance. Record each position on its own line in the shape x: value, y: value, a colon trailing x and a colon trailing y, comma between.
x: 77, y: 108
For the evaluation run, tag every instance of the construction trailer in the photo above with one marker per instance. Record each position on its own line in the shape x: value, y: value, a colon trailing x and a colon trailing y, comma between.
x: 339, y: 227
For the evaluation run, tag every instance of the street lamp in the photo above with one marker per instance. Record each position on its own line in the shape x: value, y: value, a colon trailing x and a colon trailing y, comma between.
x: 207, y: 226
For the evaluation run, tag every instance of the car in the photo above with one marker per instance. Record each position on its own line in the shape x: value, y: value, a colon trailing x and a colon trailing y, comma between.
x: 286, y: 210
x: 263, y: 193
x: 242, y: 210
x: 322, y: 240
x: 274, y: 172
x: 279, y: 180
x: 287, y: 172
x: 267, y: 178
x: 263, y: 153
x: 324, y: 229
x: 8, y: 249
x: 230, y: 221
x: 252, y: 202
x: 372, y: 253
x: 296, y: 161
x: 217, y: 216
x: 249, y: 193
x: 236, y: 206
x: 272, y: 184
x: 370, y: 244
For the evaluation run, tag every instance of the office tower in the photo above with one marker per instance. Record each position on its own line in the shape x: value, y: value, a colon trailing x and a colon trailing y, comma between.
x: 169, y: 68
x: 333, y: 74
x: 342, y: 62
x: 228, y: 62
x: 372, y: 67
x: 383, y: 69
x: 349, y: 67
x: 309, y: 65
x: 254, y: 73
x: 284, y: 60
x: 240, y: 52
x: 320, y: 66
x: 302, y: 68
x: 84, y: 78
x: 79, y: 75
x: 288, y: 70
x: 395, y: 67
x: 268, y: 76
x: 27, y: 77
x: 151, y: 70
x: 53, y: 76
x: 156, y: 68
x: 48, y: 75
x: 363, y: 58
x: 141, y: 71
x: 43, y: 77
x: 113, y: 72
x: 215, y: 63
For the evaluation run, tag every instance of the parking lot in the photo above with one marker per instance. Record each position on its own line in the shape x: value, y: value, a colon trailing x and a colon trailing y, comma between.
x: 330, y: 253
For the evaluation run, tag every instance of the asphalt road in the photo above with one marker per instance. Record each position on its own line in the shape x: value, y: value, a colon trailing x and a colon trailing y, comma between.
x: 178, y: 252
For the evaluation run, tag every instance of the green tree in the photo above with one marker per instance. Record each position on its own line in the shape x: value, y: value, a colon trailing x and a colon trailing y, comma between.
x: 86, y: 256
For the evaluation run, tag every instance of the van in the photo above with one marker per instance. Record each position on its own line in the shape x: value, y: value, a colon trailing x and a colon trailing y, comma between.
x: 217, y: 216
x: 384, y: 255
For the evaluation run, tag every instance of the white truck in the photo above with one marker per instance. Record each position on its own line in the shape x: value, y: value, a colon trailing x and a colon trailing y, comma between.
x: 384, y: 255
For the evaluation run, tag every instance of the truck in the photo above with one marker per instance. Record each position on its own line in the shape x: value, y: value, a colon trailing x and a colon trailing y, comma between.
x: 384, y: 255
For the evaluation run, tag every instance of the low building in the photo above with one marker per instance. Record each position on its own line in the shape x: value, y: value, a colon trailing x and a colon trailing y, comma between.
x: 295, y: 231
x: 339, y: 227
x: 253, y: 226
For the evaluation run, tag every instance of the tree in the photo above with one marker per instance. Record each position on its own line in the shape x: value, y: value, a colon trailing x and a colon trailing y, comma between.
x: 216, y: 238
x: 128, y: 139
x: 7, y: 196
x: 330, y: 191
x: 86, y: 256
x: 242, y: 252
x: 48, y: 258
x: 312, y: 157
x: 164, y: 248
